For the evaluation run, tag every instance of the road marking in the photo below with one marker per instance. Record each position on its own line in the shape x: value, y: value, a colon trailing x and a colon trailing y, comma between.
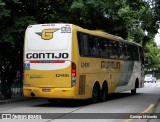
x: 145, y: 111
x: 148, y: 109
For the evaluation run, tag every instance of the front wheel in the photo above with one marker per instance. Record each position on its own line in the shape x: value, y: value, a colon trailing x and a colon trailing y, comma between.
x: 134, y: 91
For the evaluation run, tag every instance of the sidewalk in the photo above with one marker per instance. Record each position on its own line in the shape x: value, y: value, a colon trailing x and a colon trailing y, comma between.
x: 13, y: 100
x: 157, y: 107
x: 156, y: 111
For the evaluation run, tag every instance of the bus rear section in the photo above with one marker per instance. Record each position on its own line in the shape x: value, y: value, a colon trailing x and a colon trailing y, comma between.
x: 48, y: 68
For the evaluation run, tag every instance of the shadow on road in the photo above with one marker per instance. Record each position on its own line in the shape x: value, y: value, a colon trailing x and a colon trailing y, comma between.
x: 65, y: 103
x: 120, y: 95
x: 80, y: 103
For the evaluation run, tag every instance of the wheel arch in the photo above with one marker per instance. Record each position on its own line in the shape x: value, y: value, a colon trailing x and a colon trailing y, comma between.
x: 104, y: 83
x: 97, y: 84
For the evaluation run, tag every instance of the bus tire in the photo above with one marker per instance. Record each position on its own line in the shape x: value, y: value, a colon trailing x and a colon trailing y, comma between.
x: 95, y: 94
x: 134, y: 91
x: 104, y: 92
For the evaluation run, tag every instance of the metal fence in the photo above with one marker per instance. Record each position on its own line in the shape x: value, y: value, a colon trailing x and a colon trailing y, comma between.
x: 11, y: 89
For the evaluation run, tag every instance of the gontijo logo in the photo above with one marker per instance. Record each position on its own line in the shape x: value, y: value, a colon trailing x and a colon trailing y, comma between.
x: 47, y: 34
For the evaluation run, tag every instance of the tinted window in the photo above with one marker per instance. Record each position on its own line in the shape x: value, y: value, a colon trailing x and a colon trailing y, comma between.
x: 94, y: 46
x: 83, y: 44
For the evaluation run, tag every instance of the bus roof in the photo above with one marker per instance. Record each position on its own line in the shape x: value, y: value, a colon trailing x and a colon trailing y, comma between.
x: 93, y: 32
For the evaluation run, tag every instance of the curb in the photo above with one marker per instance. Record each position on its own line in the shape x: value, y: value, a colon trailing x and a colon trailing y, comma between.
x: 157, y: 107
x: 155, y: 110
x: 13, y: 100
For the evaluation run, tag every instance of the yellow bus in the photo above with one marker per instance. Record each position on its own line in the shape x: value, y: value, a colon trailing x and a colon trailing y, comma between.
x: 65, y: 61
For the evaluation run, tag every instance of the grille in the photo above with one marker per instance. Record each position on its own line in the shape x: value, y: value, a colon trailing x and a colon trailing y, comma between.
x: 82, y: 80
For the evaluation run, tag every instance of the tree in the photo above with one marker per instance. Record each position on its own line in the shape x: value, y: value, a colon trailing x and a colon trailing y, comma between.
x: 12, y: 27
x: 125, y: 18
x: 152, y: 52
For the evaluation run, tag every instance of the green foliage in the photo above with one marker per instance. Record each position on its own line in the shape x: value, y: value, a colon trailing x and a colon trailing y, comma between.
x: 4, y: 12
x: 126, y: 18
x: 12, y: 27
x: 88, y: 13
x: 152, y: 52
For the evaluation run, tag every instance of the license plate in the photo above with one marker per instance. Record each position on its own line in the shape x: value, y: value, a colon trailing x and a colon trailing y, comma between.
x: 46, y: 90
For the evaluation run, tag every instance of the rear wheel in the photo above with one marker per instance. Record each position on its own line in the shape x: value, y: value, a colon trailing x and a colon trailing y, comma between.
x: 95, y: 94
x: 104, y: 93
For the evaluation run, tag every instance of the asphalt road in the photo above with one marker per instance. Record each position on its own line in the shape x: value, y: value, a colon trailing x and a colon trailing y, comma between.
x: 115, y: 109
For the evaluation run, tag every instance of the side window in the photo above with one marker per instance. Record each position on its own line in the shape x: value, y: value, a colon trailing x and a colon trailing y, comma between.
x: 135, y: 53
x: 120, y: 51
x: 93, y: 46
x: 108, y: 48
x: 141, y: 55
x: 83, y: 44
x: 127, y: 52
x: 103, y: 47
x: 114, y: 49
x: 131, y: 51
x: 97, y: 45
x: 124, y: 51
